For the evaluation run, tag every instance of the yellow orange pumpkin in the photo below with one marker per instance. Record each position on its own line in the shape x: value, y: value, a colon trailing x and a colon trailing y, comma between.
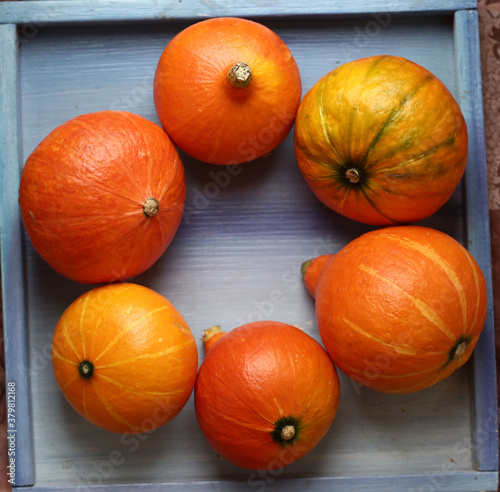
x: 124, y: 358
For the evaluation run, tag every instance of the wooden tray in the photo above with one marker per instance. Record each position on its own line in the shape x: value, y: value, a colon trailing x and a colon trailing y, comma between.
x: 237, y: 255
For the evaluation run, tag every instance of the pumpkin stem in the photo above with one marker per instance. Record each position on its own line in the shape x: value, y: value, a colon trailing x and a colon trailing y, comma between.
x: 239, y: 75
x: 459, y: 351
x: 287, y: 432
x: 86, y: 369
x: 352, y: 175
x: 210, y: 336
x: 304, y: 267
x: 311, y: 272
x: 151, y: 207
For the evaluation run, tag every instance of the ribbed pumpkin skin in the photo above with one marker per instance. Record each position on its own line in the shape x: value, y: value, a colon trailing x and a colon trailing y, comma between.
x: 203, y: 113
x: 83, y: 190
x: 396, y: 125
x: 144, y: 356
x: 251, y: 378
x: 394, y: 305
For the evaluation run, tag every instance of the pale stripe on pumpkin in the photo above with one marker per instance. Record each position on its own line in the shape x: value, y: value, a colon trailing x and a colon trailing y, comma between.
x: 135, y: 391
x: 126, y: 330
x: 478, y: 294
x: 363, y: 372
x: 84, y: 401
x: 396, y: 348
x: 109, y: 408
x: 162, y: 353
x: 324, y: 126
x: 424, y: 308
x: 432, y: 255
x: 71, y: 381
x: 68, y: 338
x: 82, y: 331
x: 435, y: 378
x: 59, y: 356
x: 109, y: 301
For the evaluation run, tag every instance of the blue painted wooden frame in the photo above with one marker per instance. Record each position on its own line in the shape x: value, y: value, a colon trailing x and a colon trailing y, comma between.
x: 451, y: 481
x: 12, y: 256
x: 12, y: 14
x: 45, y: 11
x: 477, y: 229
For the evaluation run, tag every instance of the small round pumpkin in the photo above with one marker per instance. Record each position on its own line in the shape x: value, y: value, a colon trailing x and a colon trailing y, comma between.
x: 124, y: 358
x: 227, y: 90
x: 399, y: 308
x: 381, y: 140
x: 102, y: 196
x: 265, y: 395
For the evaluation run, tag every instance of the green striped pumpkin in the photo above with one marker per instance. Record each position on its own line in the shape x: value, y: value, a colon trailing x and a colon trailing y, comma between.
x: 381, y: 140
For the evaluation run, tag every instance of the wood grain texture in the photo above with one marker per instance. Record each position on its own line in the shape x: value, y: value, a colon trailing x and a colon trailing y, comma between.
x: 236, y: 258
x: 478, y: 229
x: 48, y: 11
x: 444, y: 482
x: 12, y: 257
x: 4, y: 484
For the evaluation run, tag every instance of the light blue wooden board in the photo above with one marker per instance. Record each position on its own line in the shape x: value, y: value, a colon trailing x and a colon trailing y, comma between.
x: 42, y: 11
x: 453, y: 481
x: 13, y: 292
x: 478, y: 231
x: 237, y: 246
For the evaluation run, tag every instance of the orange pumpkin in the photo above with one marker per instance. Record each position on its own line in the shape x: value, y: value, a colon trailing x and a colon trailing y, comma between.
x: 227, y: 90
x: 102, y: 196
x: 124, y: 358
x: 265, y: 395
x: 399, y: 308
x: 381, y: 140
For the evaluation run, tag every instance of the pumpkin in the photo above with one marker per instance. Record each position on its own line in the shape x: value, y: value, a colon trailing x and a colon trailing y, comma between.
x: 399, y: 308
x: 381, y: 140
x: 227, y: 90
x: 124, y: 358
x: 102, y: 196
x: 265, y: 395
